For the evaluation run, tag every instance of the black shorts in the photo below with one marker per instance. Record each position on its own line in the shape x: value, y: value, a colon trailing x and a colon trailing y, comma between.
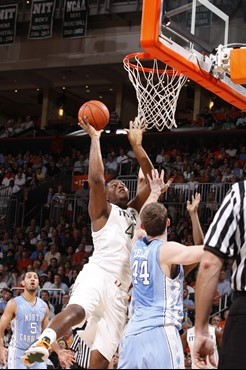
x: 233, y: 351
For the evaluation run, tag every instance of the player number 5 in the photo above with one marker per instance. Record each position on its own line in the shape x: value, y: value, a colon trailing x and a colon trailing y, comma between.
x: 33, y: 327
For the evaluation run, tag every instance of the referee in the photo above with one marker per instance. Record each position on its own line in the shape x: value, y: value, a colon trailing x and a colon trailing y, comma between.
x: 82, y: 353
x: 225, y: 238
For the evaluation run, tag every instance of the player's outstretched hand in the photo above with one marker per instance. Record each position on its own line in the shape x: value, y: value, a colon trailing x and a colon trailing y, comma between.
x: 135, y: 133
x: 66, y: 358
x: 91, y: 131
x: 157, y: 183
x: 192, y: 207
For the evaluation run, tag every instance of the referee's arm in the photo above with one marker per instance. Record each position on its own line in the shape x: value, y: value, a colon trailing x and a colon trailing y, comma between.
x: 219, y: 245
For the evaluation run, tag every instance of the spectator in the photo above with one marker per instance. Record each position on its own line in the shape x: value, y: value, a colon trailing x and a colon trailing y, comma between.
x: 24, y: 261
x: 52, y: 169
x: 215, y: 321
x: 63, y: 305
x: 241, y: 121
x: 33, y: 227
x: 64, y: 278
x: 58, y: 203
x: 8, y: 177
x: 20, y: 179
x: 83, y: 197
x: 2, y: 283
x: 199, y: 121
x: 49, y: 198
x: 7, y: 295
x: 47, y: 279
x: 40, y: 175
x: 45, y: 296
x: 53, y: 253
x: 192, y: 183
x: 224, y: 286
x: 78, y: 167
x: 79, y: 255
x: 111, y: 165
x: 123, y: 162
x: 58, y: 284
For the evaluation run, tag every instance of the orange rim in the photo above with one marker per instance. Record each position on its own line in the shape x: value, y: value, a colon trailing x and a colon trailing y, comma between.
x: 145, y: 56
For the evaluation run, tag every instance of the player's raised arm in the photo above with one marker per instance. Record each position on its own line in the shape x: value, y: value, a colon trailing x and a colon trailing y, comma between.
x: 192, y: 208
x: 157, y: 187
x: 198, y: 236
x: 135, y: 136
x: 99, y: 208
x: 7, y: 316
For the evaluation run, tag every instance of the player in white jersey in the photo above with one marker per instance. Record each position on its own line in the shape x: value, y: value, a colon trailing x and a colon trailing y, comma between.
x: 28, y: 316
x: 188, y: 339
x: 100, y: 291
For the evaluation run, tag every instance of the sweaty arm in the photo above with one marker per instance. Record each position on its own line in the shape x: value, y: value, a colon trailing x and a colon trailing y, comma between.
x: 8, y: 315
x: 99, y: 208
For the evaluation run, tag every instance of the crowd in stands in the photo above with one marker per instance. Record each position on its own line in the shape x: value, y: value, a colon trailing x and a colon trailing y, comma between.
x: 57, y: 249
x: 13, y: 127
x: 216, y: 118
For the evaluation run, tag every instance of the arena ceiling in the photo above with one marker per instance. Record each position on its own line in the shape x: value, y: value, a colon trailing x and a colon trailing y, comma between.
x: 22, y: 90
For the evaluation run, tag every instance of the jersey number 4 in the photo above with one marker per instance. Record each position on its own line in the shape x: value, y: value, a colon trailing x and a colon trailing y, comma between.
x: 130, y: 230
x: 141, y: 272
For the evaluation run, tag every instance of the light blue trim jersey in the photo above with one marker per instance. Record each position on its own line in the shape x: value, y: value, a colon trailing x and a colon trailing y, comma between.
x: 27, y: 324
x: 157, y: 299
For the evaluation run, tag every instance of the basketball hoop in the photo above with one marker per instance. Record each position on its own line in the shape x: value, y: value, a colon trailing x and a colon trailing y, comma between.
x: 157, y: 91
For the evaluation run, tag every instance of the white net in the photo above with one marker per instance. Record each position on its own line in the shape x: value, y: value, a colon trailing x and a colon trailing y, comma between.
x: 157, y: 93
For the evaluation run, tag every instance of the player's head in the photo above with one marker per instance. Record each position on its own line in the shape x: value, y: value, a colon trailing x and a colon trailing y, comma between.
x: 154, y: 219
x: 30, y: 281
x: 117, y: 193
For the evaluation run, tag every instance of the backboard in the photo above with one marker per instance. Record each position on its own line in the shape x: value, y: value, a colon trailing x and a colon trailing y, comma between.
x: 186, y: 34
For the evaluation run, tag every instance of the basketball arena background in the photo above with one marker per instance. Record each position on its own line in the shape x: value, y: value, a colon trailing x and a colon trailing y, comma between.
x: 56, y: 55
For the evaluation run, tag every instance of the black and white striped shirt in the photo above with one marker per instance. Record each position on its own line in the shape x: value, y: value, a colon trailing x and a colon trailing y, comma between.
x: 226, y: 236
x: 82, y: 352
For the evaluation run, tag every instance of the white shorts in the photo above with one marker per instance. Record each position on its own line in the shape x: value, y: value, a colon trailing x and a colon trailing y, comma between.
x: 105, y: 306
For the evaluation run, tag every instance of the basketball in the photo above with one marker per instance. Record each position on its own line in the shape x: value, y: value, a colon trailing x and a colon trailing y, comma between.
x: 96, y: 112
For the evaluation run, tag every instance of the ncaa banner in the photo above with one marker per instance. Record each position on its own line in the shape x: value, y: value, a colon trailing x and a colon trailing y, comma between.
x: 8, y: 18
x: 75, y: 18
x: 42, y: 14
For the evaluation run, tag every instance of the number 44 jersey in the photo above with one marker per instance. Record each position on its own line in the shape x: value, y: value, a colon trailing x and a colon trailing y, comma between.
x: 113, y: 244
x: 157, y: 300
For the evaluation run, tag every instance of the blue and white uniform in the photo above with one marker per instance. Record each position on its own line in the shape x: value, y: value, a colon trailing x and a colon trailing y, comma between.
x: 26, y: 328
x: 151, y: 338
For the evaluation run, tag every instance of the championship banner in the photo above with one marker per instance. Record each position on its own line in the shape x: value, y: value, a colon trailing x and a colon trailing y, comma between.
x: 42, y: 14
x: 8, y: 18
x: 78, y: 181
x: 75, y: 19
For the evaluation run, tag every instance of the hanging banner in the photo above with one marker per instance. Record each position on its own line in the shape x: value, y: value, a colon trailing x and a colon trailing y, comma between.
x: 42, y: 14
x: 8, y: 18
x: 75, y: 18
x: 78, y: 181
